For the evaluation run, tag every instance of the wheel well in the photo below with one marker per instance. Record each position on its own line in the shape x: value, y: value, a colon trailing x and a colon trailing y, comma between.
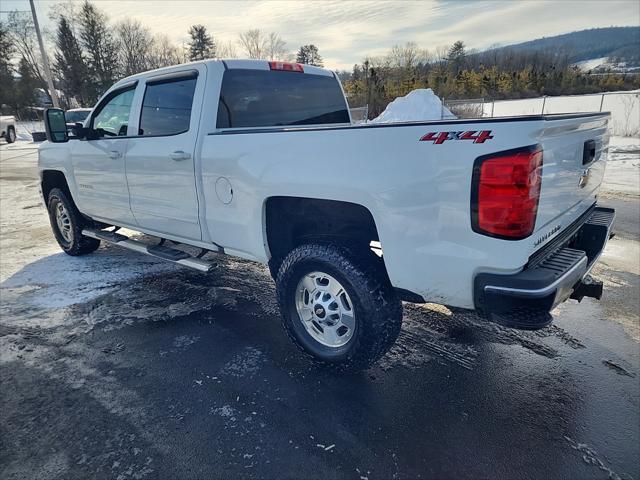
x: 54, y: 179
x: 292, y: 221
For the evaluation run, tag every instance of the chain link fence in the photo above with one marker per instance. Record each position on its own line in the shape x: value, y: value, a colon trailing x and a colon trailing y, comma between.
x: 359, y: 114
x: 624, y: 108
x: 467, y: 108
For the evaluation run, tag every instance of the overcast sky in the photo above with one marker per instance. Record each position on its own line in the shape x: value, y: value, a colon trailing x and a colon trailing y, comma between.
x: 346, y: 31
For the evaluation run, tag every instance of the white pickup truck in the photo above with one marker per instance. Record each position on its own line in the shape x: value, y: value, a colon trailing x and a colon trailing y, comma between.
x: 260, y: 160
x: 8, y: 128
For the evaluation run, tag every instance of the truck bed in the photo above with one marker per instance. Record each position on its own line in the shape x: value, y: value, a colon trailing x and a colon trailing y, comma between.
x: 419, y: 192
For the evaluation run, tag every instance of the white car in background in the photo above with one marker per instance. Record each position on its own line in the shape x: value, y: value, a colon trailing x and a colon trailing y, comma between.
x: 8, y: 128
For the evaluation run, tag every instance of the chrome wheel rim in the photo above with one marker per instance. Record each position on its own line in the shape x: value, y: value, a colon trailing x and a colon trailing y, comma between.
x: 64, y: 222
x: 325, y: 309
x: 12, y: 136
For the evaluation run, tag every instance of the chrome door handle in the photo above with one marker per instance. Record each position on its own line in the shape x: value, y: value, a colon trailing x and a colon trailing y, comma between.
x: 114, y: 154
x: 180, y: 155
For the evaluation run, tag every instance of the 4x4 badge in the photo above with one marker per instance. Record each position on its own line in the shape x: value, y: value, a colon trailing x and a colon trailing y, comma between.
x: 438, y: 138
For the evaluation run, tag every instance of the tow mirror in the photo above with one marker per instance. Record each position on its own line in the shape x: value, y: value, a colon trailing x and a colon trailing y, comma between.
x: 55, y: 125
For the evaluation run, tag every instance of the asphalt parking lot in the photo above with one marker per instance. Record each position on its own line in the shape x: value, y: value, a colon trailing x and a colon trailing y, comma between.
x: 117, y: 366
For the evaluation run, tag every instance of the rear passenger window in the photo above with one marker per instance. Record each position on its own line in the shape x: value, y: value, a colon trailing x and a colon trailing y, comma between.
x: 166, y: 108
x: 266, y: 98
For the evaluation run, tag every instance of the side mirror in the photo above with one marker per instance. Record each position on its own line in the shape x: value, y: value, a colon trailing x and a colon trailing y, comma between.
x: 55, y: 125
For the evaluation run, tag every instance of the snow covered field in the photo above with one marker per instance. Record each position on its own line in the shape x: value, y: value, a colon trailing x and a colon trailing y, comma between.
x: 624, y: 108
x: 622, y: 175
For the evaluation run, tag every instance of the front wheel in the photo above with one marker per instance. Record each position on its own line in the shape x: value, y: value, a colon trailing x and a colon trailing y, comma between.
x: 338, y: 308
x: 67, y: 223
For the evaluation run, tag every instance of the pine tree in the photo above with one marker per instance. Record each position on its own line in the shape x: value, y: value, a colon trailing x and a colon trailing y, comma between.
x: 456, y: 56
x: 101, y: 49
x: 70, y: 64
x: 308, y: 54
x: 25, y: 88
x: 6, y: 69
x: 201, y: 45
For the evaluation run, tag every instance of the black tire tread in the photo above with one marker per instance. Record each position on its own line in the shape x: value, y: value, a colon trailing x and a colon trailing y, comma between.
x: 381, y: 309
x: 8, y: 137
x: 81, y: 245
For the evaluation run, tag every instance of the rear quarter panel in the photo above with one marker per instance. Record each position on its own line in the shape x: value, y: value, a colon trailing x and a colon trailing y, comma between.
x: 418, y: 193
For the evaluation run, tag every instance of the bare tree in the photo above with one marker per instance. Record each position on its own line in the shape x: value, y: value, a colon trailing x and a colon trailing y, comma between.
x: 257, y: 44
x: 440, y: 56
x: 404, y: 57
x: 22, y: 34
x: 163, y: 53
x: 253, y: 43
x: 227, y: 50
x: 135, y: 44
x: 276, y: 48
x: 70, y: 10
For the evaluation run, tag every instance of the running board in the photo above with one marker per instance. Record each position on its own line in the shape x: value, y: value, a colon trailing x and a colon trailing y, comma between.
x: 159, y: 251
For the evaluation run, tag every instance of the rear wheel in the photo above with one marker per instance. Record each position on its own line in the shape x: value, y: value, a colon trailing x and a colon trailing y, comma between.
x: 67, y: 224
x: 11, y: 135
x: 338, y: 308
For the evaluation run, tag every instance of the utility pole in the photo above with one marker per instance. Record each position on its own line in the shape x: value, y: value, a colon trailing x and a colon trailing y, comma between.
x: 45, y: 60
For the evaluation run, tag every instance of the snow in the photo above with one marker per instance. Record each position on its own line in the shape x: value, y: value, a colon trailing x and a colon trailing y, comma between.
x: 587, y: 65
x: 25, y: 129
x: 32, y: 266
x: 622, y: 175
x: 624, y: 108
x: 418, y: 105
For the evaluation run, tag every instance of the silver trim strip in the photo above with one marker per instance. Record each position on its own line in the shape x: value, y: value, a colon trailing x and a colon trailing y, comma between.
x: 541, y: 292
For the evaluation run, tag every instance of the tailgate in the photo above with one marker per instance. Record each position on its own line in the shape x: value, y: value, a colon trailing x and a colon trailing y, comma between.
x: 574, y: 157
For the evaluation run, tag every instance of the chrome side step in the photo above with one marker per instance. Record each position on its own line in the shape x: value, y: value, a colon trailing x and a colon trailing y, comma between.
x: 165, y: 253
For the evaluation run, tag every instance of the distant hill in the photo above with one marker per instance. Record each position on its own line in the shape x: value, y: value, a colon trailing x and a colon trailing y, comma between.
x: 619, y: 44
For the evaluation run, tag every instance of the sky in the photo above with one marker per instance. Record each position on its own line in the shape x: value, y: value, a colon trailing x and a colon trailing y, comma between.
x: 349, y: 30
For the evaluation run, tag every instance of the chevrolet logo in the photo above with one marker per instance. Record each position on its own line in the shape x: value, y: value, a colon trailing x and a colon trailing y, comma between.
x: 584, y: 177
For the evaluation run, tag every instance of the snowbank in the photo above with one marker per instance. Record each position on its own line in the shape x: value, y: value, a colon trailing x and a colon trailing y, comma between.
x: 622, y: 174
x: 417, y: 105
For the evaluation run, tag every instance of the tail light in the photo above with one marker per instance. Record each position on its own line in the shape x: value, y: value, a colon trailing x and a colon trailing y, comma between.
x: 505, y: 192
x: 286, y: 66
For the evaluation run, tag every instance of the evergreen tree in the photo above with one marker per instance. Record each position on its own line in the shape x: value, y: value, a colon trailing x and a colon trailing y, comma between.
x: 456, y: 56
x: 201, y: 45
x: 70, y: 63
x: 6, y: 69
x: 308, y: 54
x: 25, y: 88
x: 101, y: 49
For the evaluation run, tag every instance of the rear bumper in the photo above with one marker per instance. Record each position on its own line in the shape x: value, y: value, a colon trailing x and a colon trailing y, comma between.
x: 550, y: 277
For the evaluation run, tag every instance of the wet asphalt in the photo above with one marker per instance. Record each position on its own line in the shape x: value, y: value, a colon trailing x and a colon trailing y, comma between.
x: 182, y: 375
